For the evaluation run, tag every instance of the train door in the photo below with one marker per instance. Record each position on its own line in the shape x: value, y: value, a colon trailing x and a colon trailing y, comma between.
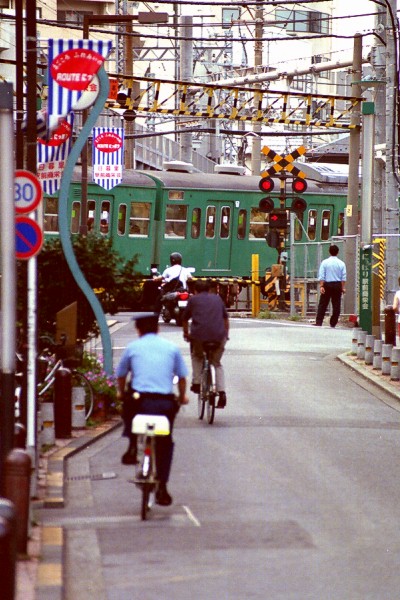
x: 218, y: 235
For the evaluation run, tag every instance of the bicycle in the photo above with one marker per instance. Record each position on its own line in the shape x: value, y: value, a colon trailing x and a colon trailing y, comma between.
x: 147, y: 428
x: 53, y: 358
x: 208, y: 390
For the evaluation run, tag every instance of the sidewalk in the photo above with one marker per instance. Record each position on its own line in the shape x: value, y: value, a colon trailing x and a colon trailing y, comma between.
x: 39, y: 575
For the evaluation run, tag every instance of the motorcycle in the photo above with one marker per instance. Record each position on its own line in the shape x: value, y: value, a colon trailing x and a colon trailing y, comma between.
x: 173, y: 305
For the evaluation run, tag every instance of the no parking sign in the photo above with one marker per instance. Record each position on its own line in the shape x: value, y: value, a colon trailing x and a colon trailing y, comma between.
x: 28, y: 237
x: 27, y: 196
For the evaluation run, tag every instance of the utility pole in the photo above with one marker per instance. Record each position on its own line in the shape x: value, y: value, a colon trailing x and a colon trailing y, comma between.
x: 258, y: 59
x: 351, y: 220
x: 391, y: 175
x: 186, y: 74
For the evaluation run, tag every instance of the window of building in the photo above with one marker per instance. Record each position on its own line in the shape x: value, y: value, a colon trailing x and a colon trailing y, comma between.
x: 210, y: 221
x: 258, y: 224
x: 139, y: 219
x: 72, y: 16
x: 175, y: 221
x: 312, y: 224
x: 302, y: 21
x: 121, y: 225
x: 242, y: 223
x: 325, y: 224
x: 317, y: 59
x: 225, y: 222
x: 50, y: 220
x: 229, y: 15
x: 196, y: 220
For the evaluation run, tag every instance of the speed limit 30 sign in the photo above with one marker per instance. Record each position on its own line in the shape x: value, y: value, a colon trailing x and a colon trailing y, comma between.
x: 27, y: 191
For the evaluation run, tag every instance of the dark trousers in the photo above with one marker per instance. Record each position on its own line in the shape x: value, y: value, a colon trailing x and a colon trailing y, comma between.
x: 155, y: 405
x: 333, y: 293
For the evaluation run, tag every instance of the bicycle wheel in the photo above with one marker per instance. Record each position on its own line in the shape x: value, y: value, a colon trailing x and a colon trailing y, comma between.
x: 146, y: 487
x: 80, y: 381
x: 210, y: 397
x: 202, y: 397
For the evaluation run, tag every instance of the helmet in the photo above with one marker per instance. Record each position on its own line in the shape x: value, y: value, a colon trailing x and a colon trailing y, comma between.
x: 175, y: 258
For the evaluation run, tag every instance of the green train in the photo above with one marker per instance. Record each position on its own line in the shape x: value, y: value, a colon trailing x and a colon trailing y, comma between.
x: 213, y: 220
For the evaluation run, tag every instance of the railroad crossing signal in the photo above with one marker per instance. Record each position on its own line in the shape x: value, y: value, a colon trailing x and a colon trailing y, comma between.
x: 284, y: 163
x: 278, y: 219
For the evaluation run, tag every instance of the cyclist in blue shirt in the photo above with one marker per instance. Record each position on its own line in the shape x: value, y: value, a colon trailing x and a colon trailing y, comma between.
x: 152, y: 363
x: 332, y: 281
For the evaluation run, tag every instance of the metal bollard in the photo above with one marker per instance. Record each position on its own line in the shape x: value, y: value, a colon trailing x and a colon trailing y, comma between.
x: 17, y: 473
x: 8, y: 549
x: 62, y: 403
x: 377, y: 361
x: 19, y: 435
x: 354, y: 340
x: 394, y: 365
x: 362, y: 335
x: 390, y: 326
x: 386, y: 356
x: 369, y: 349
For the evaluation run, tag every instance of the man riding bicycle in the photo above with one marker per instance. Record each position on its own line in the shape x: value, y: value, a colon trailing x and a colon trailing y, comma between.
x: 152, y: 363
x: 210, y: 323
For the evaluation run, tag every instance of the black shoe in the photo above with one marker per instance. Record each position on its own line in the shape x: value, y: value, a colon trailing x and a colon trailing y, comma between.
x: 195, y: 388
x: 221, y: 400
x: 162, y: 496
x: 129, y: 458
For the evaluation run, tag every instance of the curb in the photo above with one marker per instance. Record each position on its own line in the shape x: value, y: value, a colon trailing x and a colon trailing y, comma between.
x: 50, y: 576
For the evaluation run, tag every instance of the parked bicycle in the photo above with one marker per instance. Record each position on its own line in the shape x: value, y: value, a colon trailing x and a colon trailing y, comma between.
x: 147, y: 428
x: 208, y: 391
x: 54, y: 357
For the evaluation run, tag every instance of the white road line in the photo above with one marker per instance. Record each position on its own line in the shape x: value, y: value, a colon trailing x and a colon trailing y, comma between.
x: 191, y: 516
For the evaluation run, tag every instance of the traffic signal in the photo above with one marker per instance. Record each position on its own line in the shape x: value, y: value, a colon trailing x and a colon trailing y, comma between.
x: 266, y: 184
x: 299, y: 185
x: 278, y: 219
x: 298, y: 206
x: 266, y: 205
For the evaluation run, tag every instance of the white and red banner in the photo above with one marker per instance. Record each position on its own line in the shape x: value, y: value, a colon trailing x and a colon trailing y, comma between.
x: 52, y: 155
x: 108, y: 156
x: 72, y: 66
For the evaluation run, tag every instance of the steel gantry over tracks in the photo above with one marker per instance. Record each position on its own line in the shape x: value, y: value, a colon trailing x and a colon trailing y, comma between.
x: 212, y: 101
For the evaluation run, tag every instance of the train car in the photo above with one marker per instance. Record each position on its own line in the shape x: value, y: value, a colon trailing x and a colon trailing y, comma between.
x: 213, y: 220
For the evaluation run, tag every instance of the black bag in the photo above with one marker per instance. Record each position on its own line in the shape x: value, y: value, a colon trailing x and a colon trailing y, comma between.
x: 172, y: 286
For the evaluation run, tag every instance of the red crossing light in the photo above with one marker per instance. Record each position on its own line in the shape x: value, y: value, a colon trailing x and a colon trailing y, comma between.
x: 278, y: 219
x: 266, y: 184
x: 266, y: 205
x: 298, y: 206
x: 299, y: 185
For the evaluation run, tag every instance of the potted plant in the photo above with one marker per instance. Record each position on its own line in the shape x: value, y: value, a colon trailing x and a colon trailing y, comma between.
x: 103, y: 384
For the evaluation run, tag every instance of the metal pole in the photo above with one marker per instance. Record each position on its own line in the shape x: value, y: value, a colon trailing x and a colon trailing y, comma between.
x: 258, y: 57
x: 8, y: 277
x: 186, y: 74
x: 367, y: 171
x: 351, y: 220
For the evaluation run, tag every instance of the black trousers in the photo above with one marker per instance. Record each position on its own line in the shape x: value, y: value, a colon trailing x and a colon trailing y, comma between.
x: 333, y: 293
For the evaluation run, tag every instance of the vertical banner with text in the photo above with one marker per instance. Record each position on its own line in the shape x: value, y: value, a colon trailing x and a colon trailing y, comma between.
x: 108, y: 156
x: 52, y: 154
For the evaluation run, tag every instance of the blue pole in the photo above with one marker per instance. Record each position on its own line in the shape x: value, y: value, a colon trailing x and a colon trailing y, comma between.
x: 64, y: 221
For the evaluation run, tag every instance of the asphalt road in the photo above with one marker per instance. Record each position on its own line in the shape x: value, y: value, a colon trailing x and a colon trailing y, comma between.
x: 293, y: 492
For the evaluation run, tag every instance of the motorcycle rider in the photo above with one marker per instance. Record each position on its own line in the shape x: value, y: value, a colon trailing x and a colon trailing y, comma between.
x: 174, y: 277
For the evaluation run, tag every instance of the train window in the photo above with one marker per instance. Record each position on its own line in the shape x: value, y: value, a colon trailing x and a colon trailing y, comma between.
x: 312, y: 224
x: 258, y: 224
x: 50, y: 221
x: 210, y: 221
x: 175, y: 195
x: 91, y: 214
x: 242, y: 222
x: 105, y: 217
x: 195, y: 227
x: 139, y: 219
x: 121, y: 226
x: 175, y: 221
x: 75, y: 217
x: 326, y: 224
x: 340, y: 228
x: 298, y: 228
x: 225, y: 222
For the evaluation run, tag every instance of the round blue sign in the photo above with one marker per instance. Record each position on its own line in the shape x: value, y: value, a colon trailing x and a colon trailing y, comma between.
x: 28, y: 237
